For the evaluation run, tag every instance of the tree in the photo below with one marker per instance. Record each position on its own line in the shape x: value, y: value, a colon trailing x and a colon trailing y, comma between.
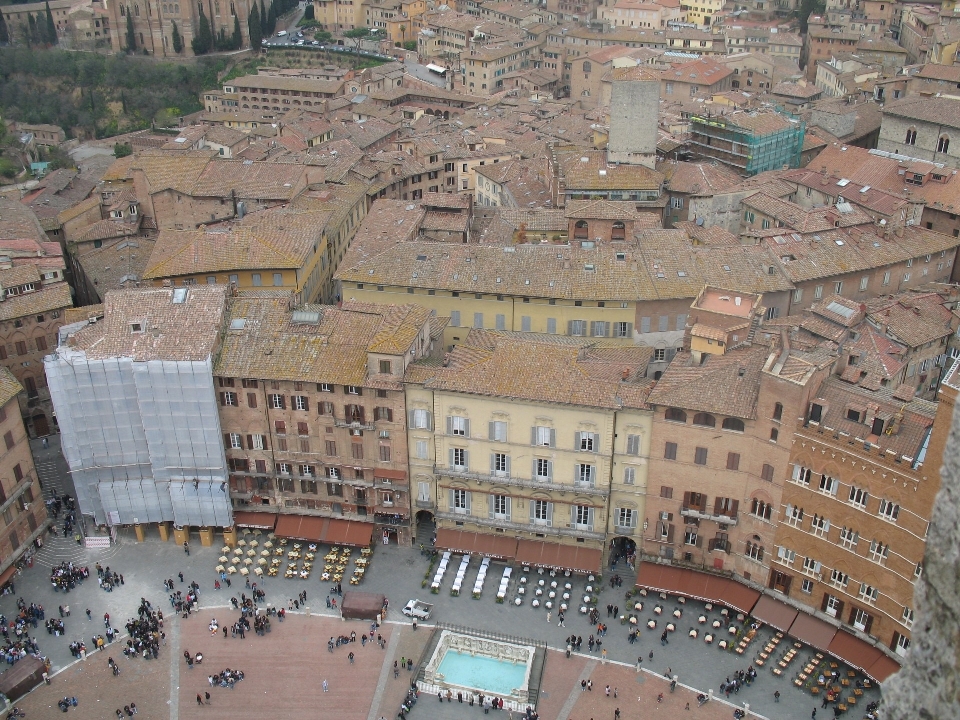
x: 808, y: 8
x: 33, y: 38
x: 263, y: 20
x: 253, y: 27
x: 203, y: 42
x: 51, y: 26
x: 308, y: 13
x: 237, y: 39
x: 271, y: 20
x: 357, y: 34
x: 4, y: 32
x: 122, y: 150
x: 131, y: 34
x: 176, y: 40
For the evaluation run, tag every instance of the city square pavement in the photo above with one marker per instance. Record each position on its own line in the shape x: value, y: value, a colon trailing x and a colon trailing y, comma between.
x: 292, y: 669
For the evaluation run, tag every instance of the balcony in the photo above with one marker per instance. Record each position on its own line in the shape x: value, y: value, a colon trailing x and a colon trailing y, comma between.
x: 621, y: 530
x: 716, y: 544
x: 697, y: 513
x: 508, y: 525
x: 579, y: 489
x: 426, y: 504
x: 354, y: 425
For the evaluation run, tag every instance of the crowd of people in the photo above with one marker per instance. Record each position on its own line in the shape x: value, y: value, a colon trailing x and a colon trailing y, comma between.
x: 145, y: 631
x: 21, y: 644
x: 740, y: 678
x: 108, y: 580
x: 66, y: 576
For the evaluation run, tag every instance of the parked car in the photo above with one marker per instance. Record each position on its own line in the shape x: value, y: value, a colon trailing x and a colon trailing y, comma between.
x: 418, y: 609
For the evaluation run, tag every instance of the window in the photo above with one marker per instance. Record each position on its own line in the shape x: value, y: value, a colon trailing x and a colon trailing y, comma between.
x: 629, y: 475
x: 690, y: 536
x: 458, y: 458
x: 800, y: 476
x: 943, y: 144
x: 806, y: 586
x: 278, y: 280
x: 733, y: 461
x: 544, y: 436
x: 828, y: 485
x: 382, y: 413
x: 277, y: 402
x: 778, y: 412
x: 585, y: 474
x: 541, y: 512
x: 774, y: 434
x: 330, y: 447
x: 457, y: 425
x: 420, y: 419
x: 704, y: 420
x: 700, y: 456
x: 356, y: 450
x: 256, y: 280
x: 879, y: 551
x: 811, y: 566
x: 839, y: 579
x: 500, y: 507
x: 786, y: 556
x: 886, y: 278
x: 586, y: 442
x: 907, y: 617
x: 864, y: 281
x: 918, y: 571
x: 498, y: 431
x: 500, y: 464
x: 420, y: 450
x: 258, y: 442
x: 858, y: 497
x: 766, y: 472
x: 625, y: 517
x: 659, y: 355
x: 849, y: 538
x: 911, y: 138
x: 325, y: 408
x: 798, y: 293
x: 832, y: 605
x: 819, y: 525
x: 734, y: 424
x: 542, y: 469
x: 525, y: 323
x: 228, y: 399
x: 300, y: 402
x: 754, y: 550
x: 818, y: 292
x: 761, y: 509
x: 577, y: 327
x: 353, y: 390
x: 384, y: 453
x: 675, y: 415
x: 323, y: 387
x: 478, y: 320
x: 454, y: 318
x: 551, y: 326
x: 793, y: 515
x: 386, y: 367
x: 670, y: 451
x: 236, y: 443
x: 633, y: 444
x: 889, y: 510
x: 581, y: 517
x: 622, y: 329
x: 869, y: 594
x: 460, y: 501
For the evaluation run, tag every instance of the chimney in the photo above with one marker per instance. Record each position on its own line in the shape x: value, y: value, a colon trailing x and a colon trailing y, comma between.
x: 625, y: 375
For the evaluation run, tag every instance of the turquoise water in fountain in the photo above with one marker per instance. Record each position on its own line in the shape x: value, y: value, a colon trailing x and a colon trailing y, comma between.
x: 479, y: 672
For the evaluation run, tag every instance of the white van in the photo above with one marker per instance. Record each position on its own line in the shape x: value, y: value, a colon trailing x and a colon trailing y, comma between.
x: 281, y: 33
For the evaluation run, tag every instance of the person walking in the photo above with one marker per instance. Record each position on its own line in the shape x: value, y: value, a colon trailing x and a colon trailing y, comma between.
x: 199, y: 699
x: 776, y: 696
x: 549, y: 613
x: 325, y: 687
x: 206, y: 696
x: 186, y: 549
x: 603, y: 661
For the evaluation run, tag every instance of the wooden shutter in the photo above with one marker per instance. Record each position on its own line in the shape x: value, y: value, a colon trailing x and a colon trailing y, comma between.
x: 449, y: 425
x: 703, y: 503
x: 251, y: 400
x: 450, y: 505
x: 734, y: 508
x: 550, y: 514
x: 533, y: 435
x: 717, y: 506
x: 223, y: 399
x: 491, y: 429
x: 250, y: 442
x: 226, y: 441
x: 686, y: 499
x: 670, y: 533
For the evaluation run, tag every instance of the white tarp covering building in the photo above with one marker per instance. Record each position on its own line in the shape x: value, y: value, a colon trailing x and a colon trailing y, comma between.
x: 137, y: 410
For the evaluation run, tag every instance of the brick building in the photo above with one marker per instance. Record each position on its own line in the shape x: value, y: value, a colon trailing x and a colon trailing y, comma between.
x: 313, y: 415
x: 21, y: 498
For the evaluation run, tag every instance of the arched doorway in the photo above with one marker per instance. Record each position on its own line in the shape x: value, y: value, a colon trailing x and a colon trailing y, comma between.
x: 40, y: 425
x: 623, y: 551
x: 426, y: 528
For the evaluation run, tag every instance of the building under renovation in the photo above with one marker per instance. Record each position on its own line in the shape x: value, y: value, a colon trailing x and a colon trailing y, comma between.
x: 133, y: 392
x: 749, y: 142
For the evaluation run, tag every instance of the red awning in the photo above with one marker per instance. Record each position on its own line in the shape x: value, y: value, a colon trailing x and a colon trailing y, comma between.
x: 854, y: 651
x: 775, y: 613
x: 7, y: 574
x: 883, y: 668
x: 561, y: 557
x: 732, y: 594
x: 337, y: 531
x: 487, y: 545
x: 662, y: 578
x: 812, y: 631
x: 696, y: 585
x: 390, y: 474
x: 259, y: 520
x: 300, y: 527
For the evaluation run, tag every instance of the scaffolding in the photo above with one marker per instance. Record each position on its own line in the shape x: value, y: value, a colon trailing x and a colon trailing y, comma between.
x: 751, y: 143
x: 142, y: 439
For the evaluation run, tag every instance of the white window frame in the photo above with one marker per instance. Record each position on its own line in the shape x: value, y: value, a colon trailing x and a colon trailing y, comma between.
x: 849, y: 538
x: 258, y: 442
x: 461, y: 503
x: 458, y: 426
x: 276, y: 401
x: 625, y: 517
x: 889, y: 510
x: 236, y: 443
x: 541, y: 512
x: 858, y: 497
x: 629, y: 475
x: 300, y: 402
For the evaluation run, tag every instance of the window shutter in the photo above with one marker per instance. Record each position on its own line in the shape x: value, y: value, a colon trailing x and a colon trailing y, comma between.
x: 490, y: 506
x: 429, y: 420
x: 550, y: 469
x: 670, y: 533
x: 449, y: 425
x: 451, y: 457
x: 699, y: 541
x: 509, y: 508
x: 533, y: 469
x: 508, y: 465
x: 573, y: 515
x: 550, y: 513
x: 686, y: 499
x: 266, y: 444
x: 734, y: 508
x: 553, y: 438
x: 823, y: 603
x: 466, y: 428
x: 671, y: 353
x: 590, y: 518
x: 451, y: 497
x: 491, y: 429
x: 283, y: 402
x: 411, y: 422
x: 466, y: 459
x: 703, y: 503
x: 226, y: 440
x: 250, y: 442
x: 576, y: 441
x: 493, y: 463
x: 533, y: 510
x: 716, y: 506
x: 252, y: 399
x: 593, y: 474
x: 789, y: 511
x: 533, y: 435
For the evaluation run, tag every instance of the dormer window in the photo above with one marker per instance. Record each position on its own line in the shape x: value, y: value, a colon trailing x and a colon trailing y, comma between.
x: 853, y: 414
x: 133, y: 209
x: 136, y: 327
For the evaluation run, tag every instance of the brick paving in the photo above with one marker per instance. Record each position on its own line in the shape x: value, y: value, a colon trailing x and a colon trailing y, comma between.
x: 99, y: 694
x: 284, y: 670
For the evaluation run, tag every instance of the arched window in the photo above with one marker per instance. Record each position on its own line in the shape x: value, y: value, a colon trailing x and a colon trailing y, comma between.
x: 778, y: 412
x: 587, y: 67
x: 705, y: 419
x: 675, y: 414
x: 943, y: 144
x: 580, y: 230
x: 911, y: 138
x: 774, y: 434
x: 619, y: 231
x: 735, y: 424
x: 136, y: 9
x: 754, y: 550
x: 761, y: 509
x: 123, y: 11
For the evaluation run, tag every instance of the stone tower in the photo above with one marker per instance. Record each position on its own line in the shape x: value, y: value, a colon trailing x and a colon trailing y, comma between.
x: 634, y: 110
